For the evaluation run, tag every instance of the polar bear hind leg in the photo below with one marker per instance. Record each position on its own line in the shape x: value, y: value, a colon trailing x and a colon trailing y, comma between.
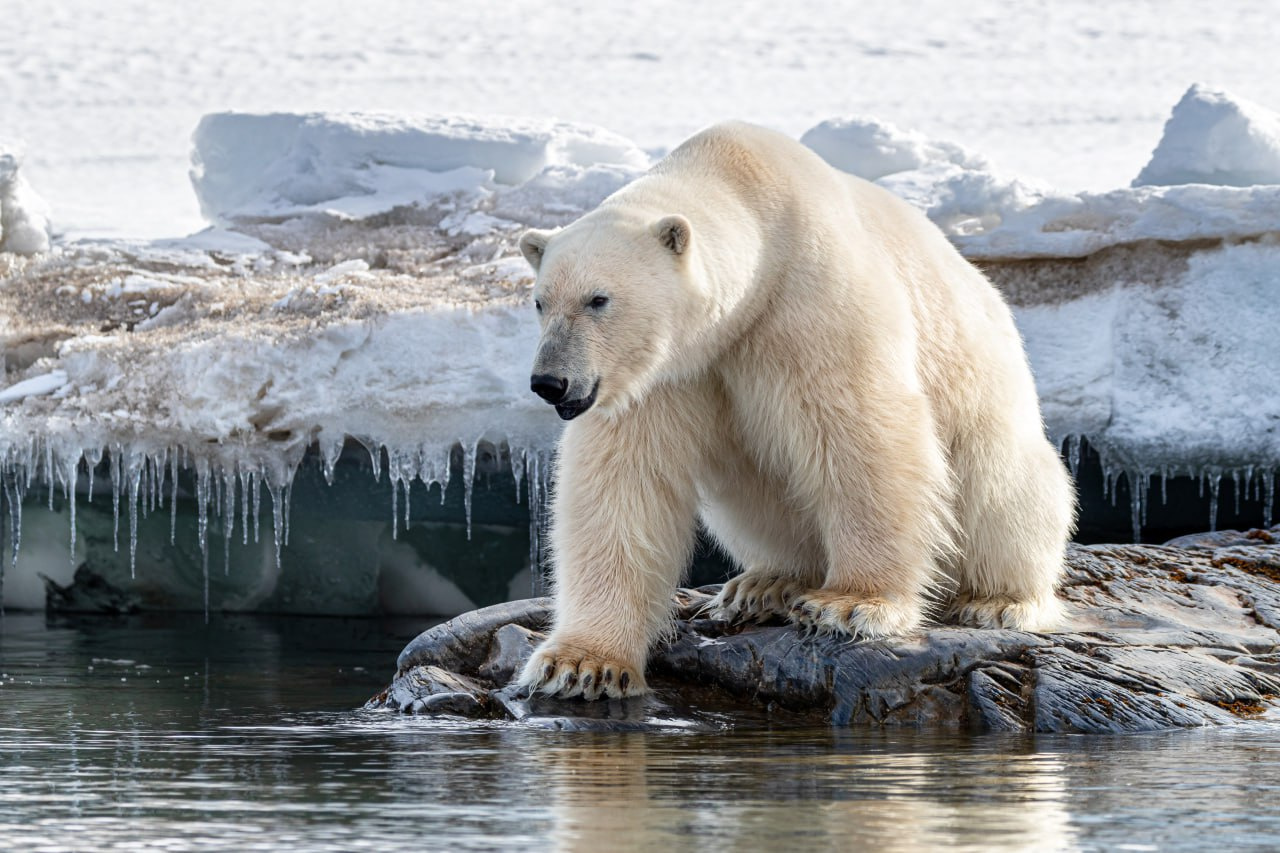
x: 1016, y: 509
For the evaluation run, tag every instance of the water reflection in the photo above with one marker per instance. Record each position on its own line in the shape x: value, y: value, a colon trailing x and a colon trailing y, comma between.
x: 240, y: 736
x: 733, y: 792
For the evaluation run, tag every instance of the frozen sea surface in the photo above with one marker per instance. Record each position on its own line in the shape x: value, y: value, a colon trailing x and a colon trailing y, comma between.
x: 105, y: 95
x: 162, y: 733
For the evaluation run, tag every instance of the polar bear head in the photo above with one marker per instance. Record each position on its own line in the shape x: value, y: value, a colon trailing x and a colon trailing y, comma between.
x: 613, y: 296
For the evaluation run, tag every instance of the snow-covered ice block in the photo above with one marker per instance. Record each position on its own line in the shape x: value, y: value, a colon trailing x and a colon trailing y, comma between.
x: 249, y: 166
x: 24, y: 216
x: 1074, y: 226
x: 1213, y: 137
x: 959, y: 190
x: 871, y: 148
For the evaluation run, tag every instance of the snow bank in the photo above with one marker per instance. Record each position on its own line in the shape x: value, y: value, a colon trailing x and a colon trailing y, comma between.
x: 1214, y: 137
x: 352, y: 166
x: 24, y: 216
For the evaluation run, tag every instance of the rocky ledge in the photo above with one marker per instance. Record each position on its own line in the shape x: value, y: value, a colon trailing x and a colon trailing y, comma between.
x: 1183, y: 634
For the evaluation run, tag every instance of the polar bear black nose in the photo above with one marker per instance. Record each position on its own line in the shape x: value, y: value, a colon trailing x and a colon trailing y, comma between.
x: 549, y: 388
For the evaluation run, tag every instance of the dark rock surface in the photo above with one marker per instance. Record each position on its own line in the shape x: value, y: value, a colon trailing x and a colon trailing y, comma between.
x: 1184, y: 634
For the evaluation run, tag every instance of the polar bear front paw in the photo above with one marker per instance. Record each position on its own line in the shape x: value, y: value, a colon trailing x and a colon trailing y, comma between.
x: 566, y: 670
x: 824, y: 612
x: 754, y: 597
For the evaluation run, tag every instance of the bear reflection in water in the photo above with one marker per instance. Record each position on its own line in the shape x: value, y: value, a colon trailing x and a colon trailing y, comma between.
x: 809, y: 790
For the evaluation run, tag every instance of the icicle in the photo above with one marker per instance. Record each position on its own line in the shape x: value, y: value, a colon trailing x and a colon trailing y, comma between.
x: 72, y: 480
x: 202, y: 511
x: 1164, y: 485
x: 1270, y: 476
x: 1213, y: 501
x: 1137, y: 491
x: 229, y: 519
x: 446, y: 466
x: 288, y: 500
x: 48, y: 471
x: 330, y: 453
x: 277, y: 518
x: 255, y: 484
x: 1146, y: 502
x: 244, y: 505
x: 134, y: 477
x: 395, y: 487
x: 145, y: 489
x: 91, y: 460
x: 157, y: 481
x: 468, y: 480
x: 149, y: 493
x: 173, y: 498
x: 217, y: 498
x: 164, y: 468
x: 115, y: 498
x: 1110, y: 479
x: 517, y: 469
x: 15, y: 493
x: 408, y: 487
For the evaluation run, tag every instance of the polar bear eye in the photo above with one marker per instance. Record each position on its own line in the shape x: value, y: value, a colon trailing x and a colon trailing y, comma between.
x: 598, y: 301
x: 537, y: 306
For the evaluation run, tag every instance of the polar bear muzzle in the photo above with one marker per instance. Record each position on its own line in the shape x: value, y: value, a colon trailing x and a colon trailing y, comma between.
x: 554, y: 389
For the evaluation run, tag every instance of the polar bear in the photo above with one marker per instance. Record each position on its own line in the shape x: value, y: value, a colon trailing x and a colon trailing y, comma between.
x: 802, y: 361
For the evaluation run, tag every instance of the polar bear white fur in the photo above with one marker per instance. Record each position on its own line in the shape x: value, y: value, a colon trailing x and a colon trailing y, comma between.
x: 800, y: 359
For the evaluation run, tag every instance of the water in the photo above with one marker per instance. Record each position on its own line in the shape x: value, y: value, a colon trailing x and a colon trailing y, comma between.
x: 245, y: 734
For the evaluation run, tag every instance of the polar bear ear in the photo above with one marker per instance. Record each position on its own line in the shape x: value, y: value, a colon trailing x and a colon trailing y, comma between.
x: 533, y: 245
x: 674, y: 232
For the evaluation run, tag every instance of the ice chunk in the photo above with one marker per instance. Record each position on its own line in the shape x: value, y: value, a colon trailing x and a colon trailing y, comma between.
x: 24, y: 216
x: 356, y: 165
x: 36, y: 386
x: 1214, y: 137
x: 214, y: 240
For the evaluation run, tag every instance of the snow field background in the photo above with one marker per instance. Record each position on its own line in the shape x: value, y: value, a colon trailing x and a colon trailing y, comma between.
x: 105, y: 94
